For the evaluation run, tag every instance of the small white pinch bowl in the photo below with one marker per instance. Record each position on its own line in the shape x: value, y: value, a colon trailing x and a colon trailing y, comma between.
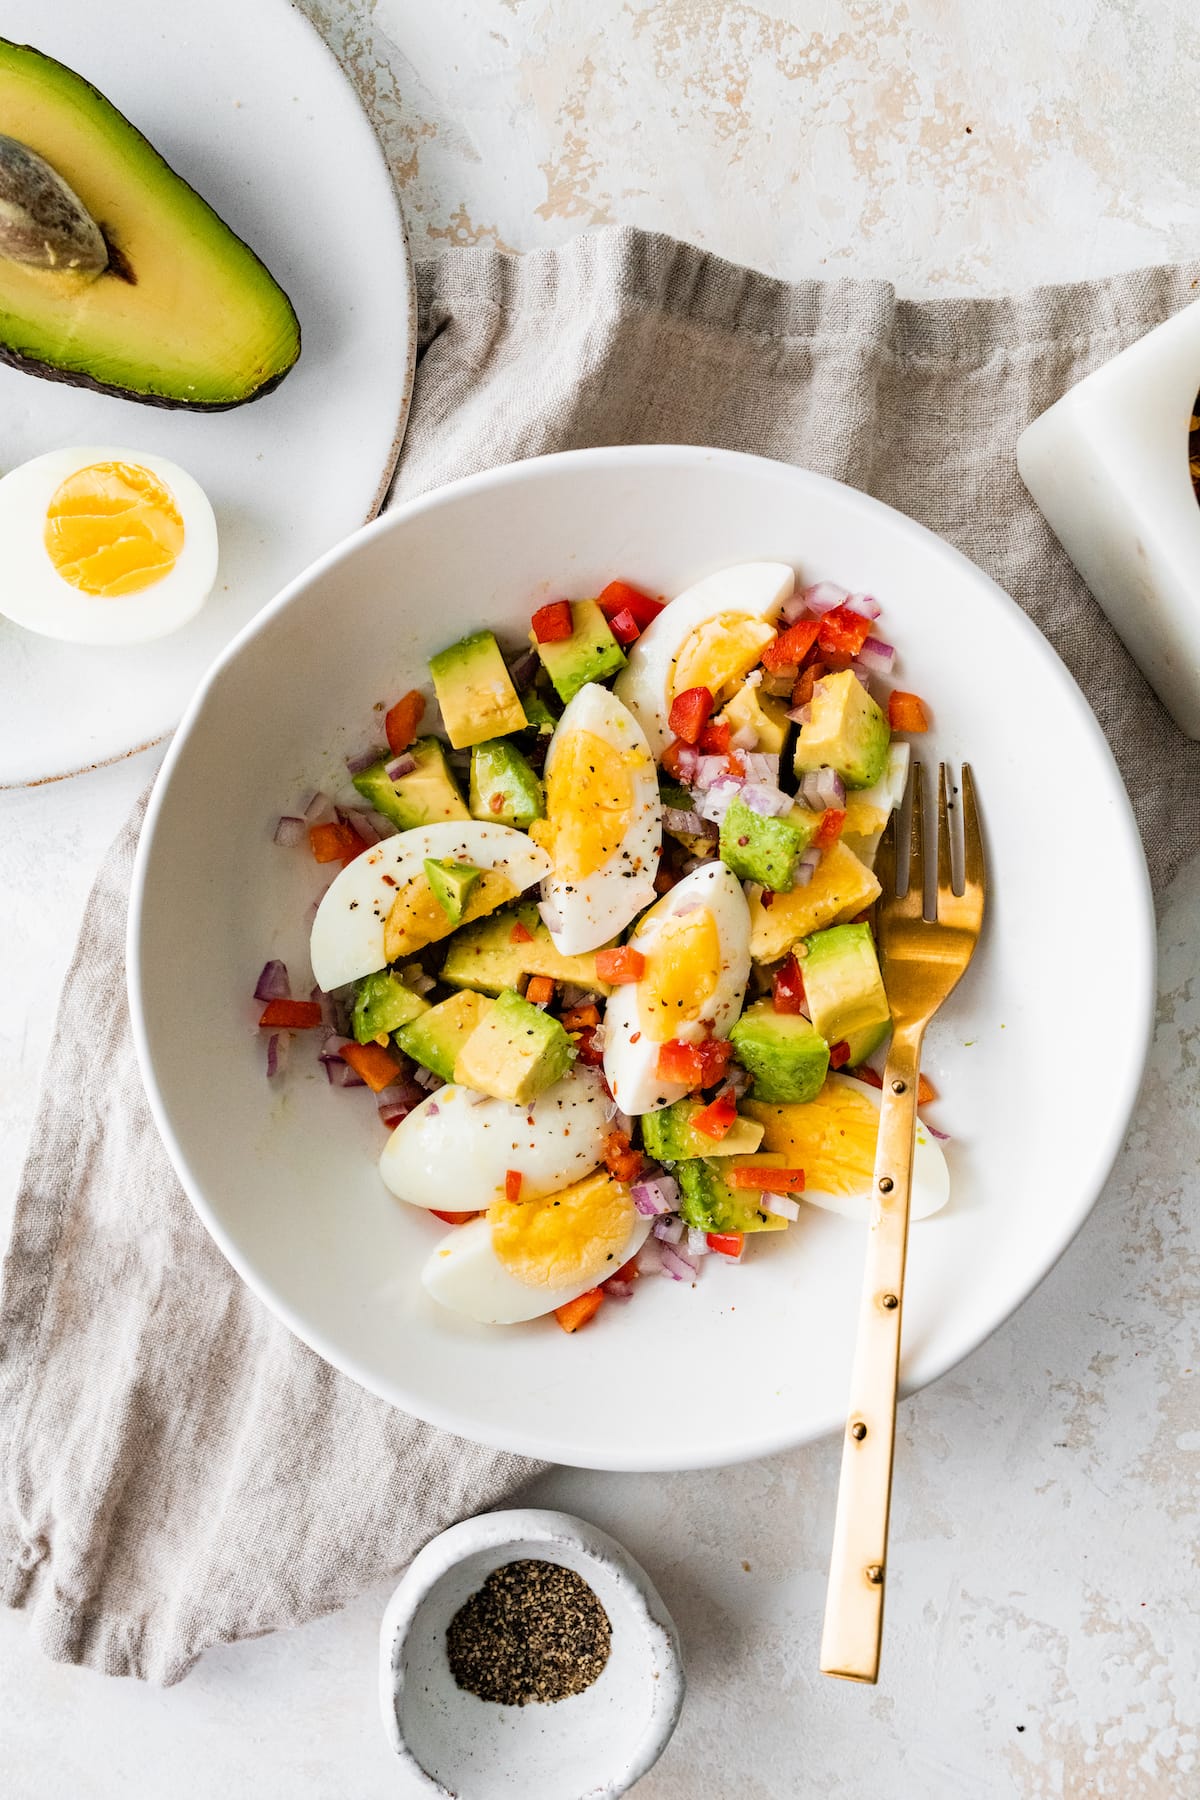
x: 590, y: 1746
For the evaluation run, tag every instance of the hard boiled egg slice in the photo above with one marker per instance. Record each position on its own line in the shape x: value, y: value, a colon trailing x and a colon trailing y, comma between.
x: 710, y: 636
x: 696, y: 942
x: 452, y: 1153
x: 869, y: 809
x: 103, y: 546
x: 351, y: 935
x: 522, y: 1260
x: 602, y: 828
x: 832, y: 1139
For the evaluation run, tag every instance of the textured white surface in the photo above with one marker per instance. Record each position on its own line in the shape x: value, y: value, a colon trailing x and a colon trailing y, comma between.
x: 1047, y: 1513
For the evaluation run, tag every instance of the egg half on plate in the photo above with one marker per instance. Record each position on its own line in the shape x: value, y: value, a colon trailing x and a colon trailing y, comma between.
x: 710, y: 636
x: 104, y: 546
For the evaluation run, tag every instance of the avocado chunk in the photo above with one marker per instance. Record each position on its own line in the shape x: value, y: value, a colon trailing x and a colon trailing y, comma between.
x: 424, y: 797
x: 591, y: 653
x: 845, y: 989
x: 182, y: 313
x: 515, y: 1052
x: 475, y: 691
x: 788, y: 1057
x: 383, y: 1004
x: 765, y: 850
x: 489, y: 957
x: 503, y: 786
x: 435, y: 1039
x: 708, y: 1203
x: 763, y: 714
x: 846, y: 731
x: 537, y: 714
x: 451, y: 884
x: 669, y: 1135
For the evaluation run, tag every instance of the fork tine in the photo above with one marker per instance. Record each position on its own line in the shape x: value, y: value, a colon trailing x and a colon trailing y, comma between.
x: 944, y: 853
x: 885, y: 860
x: 974, y: 871
x: 916, y: 838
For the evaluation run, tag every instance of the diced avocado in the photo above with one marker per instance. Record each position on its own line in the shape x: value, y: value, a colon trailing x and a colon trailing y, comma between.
x: 845, y: 989
x: 787, y: 1056
x: 668, y: 1134
x: 538, y: 714
x: 504, y: 788
x: 435, y: 1039
x: 489, y: 957
x: 841, y: 887
x: 515, y: 1052
x: 708, y: 1203
x: 475, y: 691
x: 114, y: 273
x: 868, y: 810
x: 591, y: 653
x: 383, y: 1004
x: 846, y: 731
x: 765, y: 850
x: 763, y: 714
x: 425, y: 797
x: 452, y: 884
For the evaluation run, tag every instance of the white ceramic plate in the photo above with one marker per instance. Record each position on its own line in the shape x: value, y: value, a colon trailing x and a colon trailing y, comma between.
x: 1038, y: 1056
x: 245, y: 102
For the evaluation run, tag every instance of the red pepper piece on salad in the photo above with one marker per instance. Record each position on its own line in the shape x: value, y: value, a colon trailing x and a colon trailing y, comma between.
x: 714, y: 738
x: 715, y: 1055
x: 584, y: 1017
x: 577, y: 1312
x: 588, y: 1050
x: 906, y: 712
x: 520, y: 934
x: 291, y: 1015
x: 335, y: 842
x: 830, y: 828
x: 679, y: 1062
x: 689, y: 713
x: 719, y: 1116
x: 843, y: 632
x: 552, y: 622
x: 679, y: 760
x: 867, y: 1075
x: 377, y: 1066
x: 618, y: 596
x: 926, y: 1092
x: 766, y: 1180
x: 791, y: 646
x: 787, y: 987
x: 540, y: 991
x: 726, y: 1243
x: 624, y: 626
x: 622, y: 1161
x: 453, y: 1218
x: 839, y: 1054
x: 512, y: 1186
x: 616, y: 967
x: 403, y: 721
x: 802, y: 693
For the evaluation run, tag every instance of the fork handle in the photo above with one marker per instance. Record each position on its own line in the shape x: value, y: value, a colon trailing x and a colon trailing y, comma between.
x: 850, y: 1641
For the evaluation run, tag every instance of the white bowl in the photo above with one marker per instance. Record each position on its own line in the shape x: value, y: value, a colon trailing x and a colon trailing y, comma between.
x: 591, y: 1746
x: 1038, y: 1055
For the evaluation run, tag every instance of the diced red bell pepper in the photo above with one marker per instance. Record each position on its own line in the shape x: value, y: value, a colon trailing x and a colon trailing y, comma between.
x: 926, y: 1092
x: 665, y: 878
x: 627, y: 1272
x: 714, y: 738
x: 767, y: 1180
x: 583, y: 1017
x: 520, y: 934
x: 680, y: 1062
x: 622, y: 1161
x: 843, y: 632
x: 291, y: 1015
x: 715, y: 1054
x: 830, y: 828
x: 839, y: 1054
x: 618, y: 596
x: 512, y: 1186
x: 587, y: 1049
x: 677, y: 759
x: 453, y: 1218
x: 553, y: 622
x: 577, y: 1312
x: 689, y: 713
x: 377, y: 1066
x: 403, y: 720
x: 726, y: 1243
x: 906, y: 712
x: 787, y: 988
x: 335, y: 842
x: 719, y: 1117
x: 802, y: 693
x: 868, y: 1075
x: 616, y: 967
x: 624, y: 626
x: 540, y: 991
x: 791, y: 646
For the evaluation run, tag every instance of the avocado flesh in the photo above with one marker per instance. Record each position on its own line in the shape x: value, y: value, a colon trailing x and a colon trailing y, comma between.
x: 185, y: 315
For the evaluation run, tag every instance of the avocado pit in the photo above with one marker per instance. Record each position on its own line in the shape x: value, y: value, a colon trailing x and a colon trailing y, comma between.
x: 43, y: 222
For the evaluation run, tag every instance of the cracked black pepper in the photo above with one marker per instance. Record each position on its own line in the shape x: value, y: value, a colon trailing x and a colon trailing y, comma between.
x: 533, y: 1631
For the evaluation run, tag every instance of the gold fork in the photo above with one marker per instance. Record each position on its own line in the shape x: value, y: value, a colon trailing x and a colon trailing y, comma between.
x: 921, y: 960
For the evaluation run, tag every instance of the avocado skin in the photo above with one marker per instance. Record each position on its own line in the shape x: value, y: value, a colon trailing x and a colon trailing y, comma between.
x: 44, y: 371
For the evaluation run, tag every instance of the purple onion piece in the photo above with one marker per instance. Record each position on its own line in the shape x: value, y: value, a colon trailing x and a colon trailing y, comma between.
x: 800, y: 715
x: 780, y: 1206
x: 655, y: 1195
x: 278, y: 1045
x: 794, y: 609
x: 359, y: 823
x: 668, y: 1230
x: 943, y: 1137
x: 402, y: 766
x: 320, y: 810
x: 806, y: 868
x: 273, y: 983
x: 689, y: 824
x: 356, y: 764
x: 289, y: 832
x: 618, y: 1290
x: 677, y: 1265
x: 863, y: 605
x: 697, y: 1242
x: 823, y: 788
x: 823, y: 596
x: 767, y: 802
x: 523, y: 670
x: 877, y: 656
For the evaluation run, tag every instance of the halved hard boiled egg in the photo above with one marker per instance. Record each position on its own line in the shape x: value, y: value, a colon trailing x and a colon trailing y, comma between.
x: 602, y: 828
x: 833, y: 1137
x: 710, y: 636
x: 524, y: 1259
x: 103, y: 546
x: 453, y: 1152
x: 381, y: 905
x: 696, y: 942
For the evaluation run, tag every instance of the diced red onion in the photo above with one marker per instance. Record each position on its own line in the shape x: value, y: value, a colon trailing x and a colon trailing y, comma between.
x: 523, y: 670
x: 668, y: 1231
x: 649, y: 1260
x: 794, y: 609
x: 290, y: 831
x: 337, y: 1072
x: 278, y: 1046
x: 782, y: 1206
x: 359, y: 822
x: 428, y: 1080
x: 692, y: 863
x: 823, y: 788
x: 657, y: 1194
x: 800, y: 715
x: 320, y: 998
x: 687, y: 762
x: 697, y: 1241
x: 356, y: 764
x: 676, y: 1264
x: 432, y: 1110
x: 402, y: 766
x: 761, y: 767
x: 417, y: 979
x: 863, y: 605
x: 273, y: 983
x: 618, y: 1290
x: 713, y: 804
x: 739, y: 1082
x: 861, y: 676
x: 877, y: 656
x: 823, y: 596
x: 767, y: 802
x: 689, y: 823
x: 709, y: 771
x: 574, y: 996
x: 943, y: 1137
x: 807, y: 867
x: 744, y: 738
x: 320, y: 810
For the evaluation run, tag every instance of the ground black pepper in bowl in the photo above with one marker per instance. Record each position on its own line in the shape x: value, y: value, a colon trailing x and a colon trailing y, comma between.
x: 533, y: 1631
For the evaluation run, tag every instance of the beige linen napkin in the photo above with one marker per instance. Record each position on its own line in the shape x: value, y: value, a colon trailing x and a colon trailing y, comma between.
x: 178, y: 1471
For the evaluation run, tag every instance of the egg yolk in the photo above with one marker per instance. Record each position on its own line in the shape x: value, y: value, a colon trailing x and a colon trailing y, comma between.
x: 832, y: 1138
x: 572, y: 1236
x: 113, y: 528
x: 589, y: 801
x: 416, y: 916
x: 683, y: 966
x: 720, y: 653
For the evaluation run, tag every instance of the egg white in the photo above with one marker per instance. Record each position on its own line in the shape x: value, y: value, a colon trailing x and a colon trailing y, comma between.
x: 585, y: 913
x: 34, y: 595
x: 930, y: 1181
x: 630, y: 1054
x: 755, y: 589
x: 452, y: 1152
x: 464, y: 1274
x: 347, y: 933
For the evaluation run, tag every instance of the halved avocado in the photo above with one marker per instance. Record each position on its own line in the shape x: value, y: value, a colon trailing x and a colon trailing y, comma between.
x: 184, y: 314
